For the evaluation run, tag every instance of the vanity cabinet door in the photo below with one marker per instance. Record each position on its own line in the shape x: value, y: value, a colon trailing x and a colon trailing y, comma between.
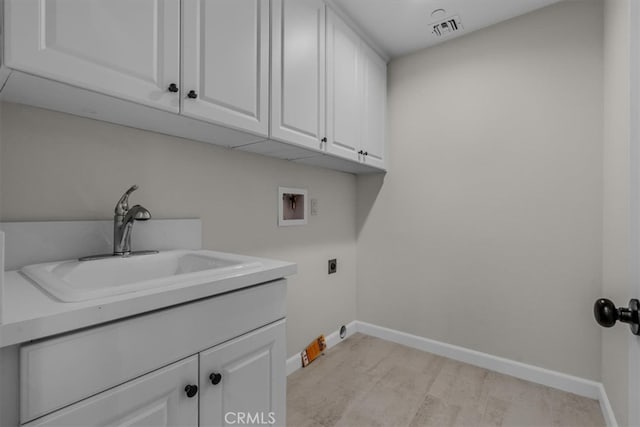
x: 298, y: 72
x: 126, y: 49
x: 157, y: 399
x: 225, y: 63
x: 244, y: 381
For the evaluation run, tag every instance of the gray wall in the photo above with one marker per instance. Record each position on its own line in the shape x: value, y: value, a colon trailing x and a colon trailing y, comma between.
x: 487, y: 231
x: 57, y: 166
x: 616, y: 208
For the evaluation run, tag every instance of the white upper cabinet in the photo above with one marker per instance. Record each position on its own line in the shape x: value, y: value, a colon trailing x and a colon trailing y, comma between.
x: 344, y: 89
x: 127, y: 49
x: 356, y: 96
x: 298, y: 72
x: 225, y: 62
x: 328, y: 88
x: 374, y: 79
x: 231, y: 72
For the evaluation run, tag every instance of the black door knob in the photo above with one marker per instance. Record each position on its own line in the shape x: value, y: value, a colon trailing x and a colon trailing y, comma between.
x: 215, y: 378
x: 191, y: 390
x: 606, y: 314
x: 192, y: 94
x: 172, y: 88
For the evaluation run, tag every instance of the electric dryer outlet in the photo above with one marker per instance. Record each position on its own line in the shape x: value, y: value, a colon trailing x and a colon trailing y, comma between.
x: 333, y: 265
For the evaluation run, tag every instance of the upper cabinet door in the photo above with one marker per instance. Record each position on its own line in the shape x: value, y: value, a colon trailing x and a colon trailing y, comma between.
x: 344, y: 89
x: 225, y: 62
x: 126, y: 49
x: 374, y: 108
x: 298, y: 72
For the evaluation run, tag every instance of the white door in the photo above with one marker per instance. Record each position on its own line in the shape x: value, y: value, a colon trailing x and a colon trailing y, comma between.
x: 157, y: 399
x: 244, y: 381
x: 298, y: 72
x: 344, y: 89
x: 374, y: 108
x: 225, y: 63
x: 1, y: 275
x: 633, y: 367
x: 126, y: 49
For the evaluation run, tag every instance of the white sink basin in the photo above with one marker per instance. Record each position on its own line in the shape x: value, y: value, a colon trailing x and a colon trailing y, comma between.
x: 74, y: 280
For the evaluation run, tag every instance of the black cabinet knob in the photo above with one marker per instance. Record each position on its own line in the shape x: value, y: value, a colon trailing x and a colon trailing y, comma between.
x: 191, y: 390
x: 360, y: 152
x: 606, y: 314
x: 366, y: 153
x: 324, y: 139
x: 172, y: 88
x: 215, y: 378
x: 192, y: 94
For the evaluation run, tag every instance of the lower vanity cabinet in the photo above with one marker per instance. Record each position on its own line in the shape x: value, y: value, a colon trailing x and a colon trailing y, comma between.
x: 211, y: 362
x: 239, y: 382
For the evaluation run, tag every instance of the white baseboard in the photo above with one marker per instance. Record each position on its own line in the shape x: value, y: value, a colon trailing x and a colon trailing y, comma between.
x: 577, y: 385
x: 295, y: 362
x: 535, y: 374
x: 605, y: 407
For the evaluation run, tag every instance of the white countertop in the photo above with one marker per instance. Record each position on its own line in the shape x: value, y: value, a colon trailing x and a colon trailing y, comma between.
x: 30, y: 313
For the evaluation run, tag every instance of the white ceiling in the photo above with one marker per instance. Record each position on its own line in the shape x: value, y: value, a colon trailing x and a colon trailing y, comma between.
x: 399, y: 27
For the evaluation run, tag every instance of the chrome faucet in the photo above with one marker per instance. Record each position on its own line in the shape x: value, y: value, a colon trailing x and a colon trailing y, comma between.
x: 123, y: 220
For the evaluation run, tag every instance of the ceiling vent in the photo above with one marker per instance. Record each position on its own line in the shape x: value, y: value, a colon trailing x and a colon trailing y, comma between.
x: 448, y: 26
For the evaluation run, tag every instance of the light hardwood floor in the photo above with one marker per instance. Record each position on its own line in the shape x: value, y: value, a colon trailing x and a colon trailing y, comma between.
x: 365, y: 381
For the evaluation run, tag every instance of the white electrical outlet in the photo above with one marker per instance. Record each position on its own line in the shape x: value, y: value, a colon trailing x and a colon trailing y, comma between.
x: 314, y: 206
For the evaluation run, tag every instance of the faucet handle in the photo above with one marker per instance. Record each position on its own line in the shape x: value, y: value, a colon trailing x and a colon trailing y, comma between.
x: 123, y: 204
